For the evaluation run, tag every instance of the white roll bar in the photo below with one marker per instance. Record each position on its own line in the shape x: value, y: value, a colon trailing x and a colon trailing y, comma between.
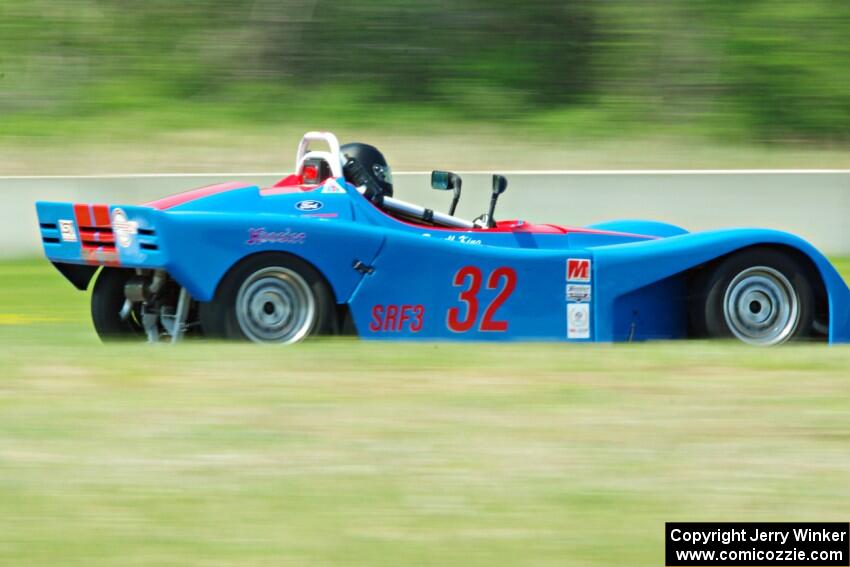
x: 333, y: 157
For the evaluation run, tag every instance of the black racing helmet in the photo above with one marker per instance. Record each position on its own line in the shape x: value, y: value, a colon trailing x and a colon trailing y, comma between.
x: 373, y: 161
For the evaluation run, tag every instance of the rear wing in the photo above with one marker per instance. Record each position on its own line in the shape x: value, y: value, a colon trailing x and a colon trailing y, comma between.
x: 99, y: 235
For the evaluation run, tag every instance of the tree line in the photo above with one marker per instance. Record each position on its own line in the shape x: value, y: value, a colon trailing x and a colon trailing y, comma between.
x: 767, y: 69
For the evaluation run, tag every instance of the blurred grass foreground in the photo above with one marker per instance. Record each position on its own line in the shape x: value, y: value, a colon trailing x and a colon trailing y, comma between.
x: 354, y: 453
x: 704, y: 82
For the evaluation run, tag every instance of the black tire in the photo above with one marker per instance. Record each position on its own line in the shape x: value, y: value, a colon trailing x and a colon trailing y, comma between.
x: 759, y: 295
x: 223, y: 318
x: 107, y: 299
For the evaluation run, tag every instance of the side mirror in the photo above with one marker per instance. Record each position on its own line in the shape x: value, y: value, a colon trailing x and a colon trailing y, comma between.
x: 441, y: 180
x: 444, y: 181
x: 500, y: 185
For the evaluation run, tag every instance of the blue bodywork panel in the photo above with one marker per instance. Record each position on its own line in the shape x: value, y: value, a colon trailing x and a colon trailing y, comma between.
x: 616, y: 281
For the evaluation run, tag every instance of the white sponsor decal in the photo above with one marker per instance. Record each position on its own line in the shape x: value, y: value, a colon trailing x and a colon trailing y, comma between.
x: 67, y: 231
x: 463, y: 239
x: 286, y: 236
x: 578, y: 321
x: 331, y: 186
x: 123, y: 229
x: 580, y: 293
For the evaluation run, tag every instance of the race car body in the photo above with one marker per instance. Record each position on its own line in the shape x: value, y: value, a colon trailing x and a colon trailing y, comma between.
x: 323, y: 251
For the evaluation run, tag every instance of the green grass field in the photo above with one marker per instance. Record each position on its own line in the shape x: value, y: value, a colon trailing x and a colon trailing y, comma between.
x: 348, y: 453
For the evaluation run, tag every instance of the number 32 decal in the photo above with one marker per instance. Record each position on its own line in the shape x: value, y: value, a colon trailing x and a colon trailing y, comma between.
x: 470, y: 278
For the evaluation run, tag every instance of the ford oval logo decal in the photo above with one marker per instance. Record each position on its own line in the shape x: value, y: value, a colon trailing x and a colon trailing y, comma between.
x: 309, y: 205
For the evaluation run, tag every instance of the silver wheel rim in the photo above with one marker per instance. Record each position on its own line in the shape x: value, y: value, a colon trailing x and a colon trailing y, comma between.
x: 761, y: 306
x: 275, y: 305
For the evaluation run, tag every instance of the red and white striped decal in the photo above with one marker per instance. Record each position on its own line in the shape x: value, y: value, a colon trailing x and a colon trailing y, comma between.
x: 97, y: 246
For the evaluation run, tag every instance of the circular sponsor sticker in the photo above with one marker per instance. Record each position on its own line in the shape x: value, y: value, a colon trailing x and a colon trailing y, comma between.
x: 122, y: 228
x: 578, y: 317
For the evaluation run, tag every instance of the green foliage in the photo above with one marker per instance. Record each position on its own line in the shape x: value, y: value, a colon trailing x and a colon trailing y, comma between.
x: 789, y: 65
x: 739, y: 71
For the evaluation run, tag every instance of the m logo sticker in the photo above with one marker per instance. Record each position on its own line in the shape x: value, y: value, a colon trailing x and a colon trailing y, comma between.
x: 578, y: 270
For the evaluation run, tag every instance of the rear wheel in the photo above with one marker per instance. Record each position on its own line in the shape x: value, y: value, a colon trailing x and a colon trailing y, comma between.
x: 270, y: 298
x: 760, y: 296
x: 107, y: 302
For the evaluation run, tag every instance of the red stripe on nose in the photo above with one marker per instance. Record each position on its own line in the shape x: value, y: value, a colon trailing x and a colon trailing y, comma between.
x: 101, y: 215
x: 82, y: 214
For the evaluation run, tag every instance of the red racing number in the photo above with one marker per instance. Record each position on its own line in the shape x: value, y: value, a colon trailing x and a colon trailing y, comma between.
x: 469, y: 296
x: 462, y: 319
x: 509, y: 277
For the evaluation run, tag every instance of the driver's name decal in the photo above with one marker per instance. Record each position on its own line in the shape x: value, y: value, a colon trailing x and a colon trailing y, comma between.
x: 463, y: 239
x: 286, y: 236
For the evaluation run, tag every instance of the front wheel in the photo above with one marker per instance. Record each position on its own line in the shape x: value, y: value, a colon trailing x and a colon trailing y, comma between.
x: 270, y: 298
x: 760, y: 296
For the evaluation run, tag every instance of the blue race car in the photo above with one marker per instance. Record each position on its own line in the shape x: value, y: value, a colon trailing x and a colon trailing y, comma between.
x: 330, y: 250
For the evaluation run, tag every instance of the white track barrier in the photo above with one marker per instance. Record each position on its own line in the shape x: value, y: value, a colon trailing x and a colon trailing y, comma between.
x: 814, y: 204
